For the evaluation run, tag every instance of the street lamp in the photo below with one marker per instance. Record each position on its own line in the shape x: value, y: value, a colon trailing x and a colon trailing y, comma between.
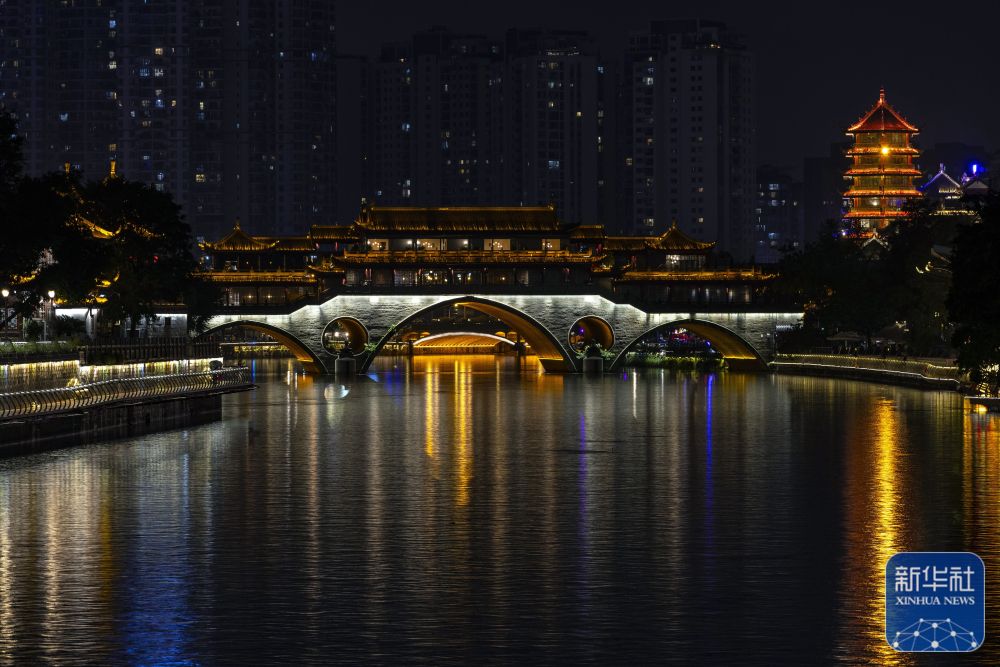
x: 50, y: 320
x: 6, y: 294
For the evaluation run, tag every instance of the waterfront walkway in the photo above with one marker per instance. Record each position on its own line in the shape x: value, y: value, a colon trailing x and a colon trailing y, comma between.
x: 934, y: 373
x: 50, y: 401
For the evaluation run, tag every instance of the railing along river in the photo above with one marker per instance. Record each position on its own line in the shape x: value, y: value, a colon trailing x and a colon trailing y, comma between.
x: 43, y: 401
x: 934, y: 369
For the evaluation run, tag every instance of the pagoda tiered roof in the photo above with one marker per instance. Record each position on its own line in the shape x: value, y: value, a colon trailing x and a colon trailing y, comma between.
x: 879, y: 171
x: 882, y: 118
x: 867, y: 213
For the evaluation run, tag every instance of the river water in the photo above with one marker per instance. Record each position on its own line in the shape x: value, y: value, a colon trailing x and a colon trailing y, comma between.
x: 468, y: 509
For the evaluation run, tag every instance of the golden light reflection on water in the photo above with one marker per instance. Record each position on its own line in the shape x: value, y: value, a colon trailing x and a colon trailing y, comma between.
x: 981, y: 500
x: 463, y: 444
x: 6, y: 592
x: 887, y: 511
x: 431, y: 386
x: 873, y: 505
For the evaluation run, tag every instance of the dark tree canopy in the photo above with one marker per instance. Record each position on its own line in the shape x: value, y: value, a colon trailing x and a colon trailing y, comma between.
x: 974, y: 298
x: 115, y: 243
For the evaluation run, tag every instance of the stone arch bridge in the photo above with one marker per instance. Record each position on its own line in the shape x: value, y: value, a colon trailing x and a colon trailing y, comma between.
x: 544, y: 321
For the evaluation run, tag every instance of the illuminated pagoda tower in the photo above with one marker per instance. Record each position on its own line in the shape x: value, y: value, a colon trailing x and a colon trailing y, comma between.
x: 881, y: 172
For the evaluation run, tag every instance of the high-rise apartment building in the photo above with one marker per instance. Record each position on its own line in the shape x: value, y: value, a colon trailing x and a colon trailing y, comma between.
x: 353, y: 166
x: 461, y: 120
x: 437, y: 125
x: 553, y: 86
x: 778, y: 221
x: 59, y: 74
x: 687, y: 133
x: 228, y: 104
x: 823, y: 191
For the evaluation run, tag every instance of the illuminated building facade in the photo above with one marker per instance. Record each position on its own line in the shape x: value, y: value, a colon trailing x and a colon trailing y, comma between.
x: 554, y: 87
x: 436, y: 132
x: 228, y: 105
x: 462, y: 119
x: 882, y: 171
x: 687, y: 134
x: 519, y: 250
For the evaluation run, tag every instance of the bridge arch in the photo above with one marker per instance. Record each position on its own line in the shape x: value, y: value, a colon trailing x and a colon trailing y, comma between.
x: 300, y: 350
x: 350, y: 329
x: 462, y: 337
x: 551, y: 354
x: 738, y: 353
x: 590, y: 328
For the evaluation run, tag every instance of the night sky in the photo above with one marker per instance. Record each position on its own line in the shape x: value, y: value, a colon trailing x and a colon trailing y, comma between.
x: 819, y: 65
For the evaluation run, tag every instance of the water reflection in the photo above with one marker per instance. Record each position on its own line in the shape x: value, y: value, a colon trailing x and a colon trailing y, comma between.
x: 461, y: 509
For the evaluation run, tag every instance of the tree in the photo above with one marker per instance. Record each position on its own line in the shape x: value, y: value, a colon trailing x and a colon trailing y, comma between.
x: 35, y: 214
x: 148, y: 249
x: 838, y: 284
x: 921, y: 277
x: 115, y: 243
x: 973, y: 303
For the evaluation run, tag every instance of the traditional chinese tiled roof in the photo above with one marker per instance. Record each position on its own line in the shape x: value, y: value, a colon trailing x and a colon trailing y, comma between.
x: 673, y: 240
x: 456, y: 258
x: 321, y: 233
x: 587, y: 232
x: 707, y: 275
x: 239, y: 241
x: 942, y: 185
x: 459, y: 220
x: 882, y: 118
x: 261, y: 277
x: 289, y: 243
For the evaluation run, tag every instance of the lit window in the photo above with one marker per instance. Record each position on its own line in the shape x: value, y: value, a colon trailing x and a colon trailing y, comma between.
x: 158, y: 51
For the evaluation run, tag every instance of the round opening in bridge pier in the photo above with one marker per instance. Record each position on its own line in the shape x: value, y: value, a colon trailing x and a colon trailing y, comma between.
x: 589, y: 330
x: 345, y: 332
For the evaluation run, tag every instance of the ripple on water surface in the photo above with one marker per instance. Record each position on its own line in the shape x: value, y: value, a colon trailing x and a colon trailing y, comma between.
x: 469, y: 508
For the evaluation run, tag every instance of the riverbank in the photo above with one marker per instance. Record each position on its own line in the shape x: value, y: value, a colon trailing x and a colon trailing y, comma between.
x: 33, y: 421
x: 919, y: 373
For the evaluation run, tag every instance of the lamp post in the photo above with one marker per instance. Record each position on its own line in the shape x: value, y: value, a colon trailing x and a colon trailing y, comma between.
x: 49, y: 320
x: 6, y: 295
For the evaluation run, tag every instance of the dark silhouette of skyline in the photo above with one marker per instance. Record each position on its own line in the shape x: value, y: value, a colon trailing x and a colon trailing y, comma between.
x: 819, y: 66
